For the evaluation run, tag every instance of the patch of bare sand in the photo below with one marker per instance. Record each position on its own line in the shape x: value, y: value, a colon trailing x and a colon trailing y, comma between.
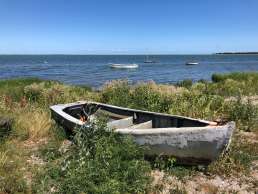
x: 245, y: 99
x: 251, y: 137
x: 253, y: 99
x: 201, y: 184
x: 33, y: 145
x: 32, y: 160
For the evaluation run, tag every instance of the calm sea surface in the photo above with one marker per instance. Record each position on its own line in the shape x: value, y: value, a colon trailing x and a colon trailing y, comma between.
x: 94, y: 70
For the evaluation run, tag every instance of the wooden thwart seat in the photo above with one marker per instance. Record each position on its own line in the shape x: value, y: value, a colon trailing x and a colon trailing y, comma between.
x: 121, y: 123
x: 145, y: 125
x: 101, y: 112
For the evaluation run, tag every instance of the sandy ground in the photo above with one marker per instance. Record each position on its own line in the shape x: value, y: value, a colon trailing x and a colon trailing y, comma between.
x: 203, y: 184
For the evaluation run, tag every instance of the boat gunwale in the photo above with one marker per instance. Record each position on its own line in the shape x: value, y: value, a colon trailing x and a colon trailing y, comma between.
x: 60, y: 110
x: 174, y: 129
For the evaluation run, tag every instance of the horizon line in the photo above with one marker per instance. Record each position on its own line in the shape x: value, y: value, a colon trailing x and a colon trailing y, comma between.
x: 109, y: 54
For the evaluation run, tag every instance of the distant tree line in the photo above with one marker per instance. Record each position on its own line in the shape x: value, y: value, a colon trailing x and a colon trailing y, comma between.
x: 237, y: 53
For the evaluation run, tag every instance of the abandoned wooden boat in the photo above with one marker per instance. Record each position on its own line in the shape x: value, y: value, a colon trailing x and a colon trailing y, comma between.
x: 187, y: 139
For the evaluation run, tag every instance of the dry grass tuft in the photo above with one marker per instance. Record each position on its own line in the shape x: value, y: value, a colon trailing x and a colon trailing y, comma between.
x: 3, y: 158
x: 35, y: 123
x: 163, y: 89
x: 207, y: 188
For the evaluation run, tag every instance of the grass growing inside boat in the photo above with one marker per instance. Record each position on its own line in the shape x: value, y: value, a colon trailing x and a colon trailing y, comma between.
x: 32, y: 147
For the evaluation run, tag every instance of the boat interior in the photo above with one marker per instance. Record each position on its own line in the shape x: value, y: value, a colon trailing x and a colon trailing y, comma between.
x: 118, y: 117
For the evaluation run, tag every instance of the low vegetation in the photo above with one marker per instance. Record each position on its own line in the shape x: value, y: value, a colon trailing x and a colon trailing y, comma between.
x: 96, y: 164
x: 36, y: 157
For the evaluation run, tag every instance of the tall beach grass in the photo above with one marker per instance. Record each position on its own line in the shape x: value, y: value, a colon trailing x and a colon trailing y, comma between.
x: 33, y: 133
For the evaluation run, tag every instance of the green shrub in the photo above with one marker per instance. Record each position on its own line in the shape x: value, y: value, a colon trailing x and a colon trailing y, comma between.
x: 197, y: 105
x: 116, y: 93
x: 237, y: 76
x: 217, y: 77
x: 187, y: 83
x: 144, y: 96
x: 232, y: 84
x: 147, y: 98
x: 84, y: 87
x: 101, y: 161
x: 244, y: 113
x: 50, y: 92
x: 14, y: 87
x: 162, y: 162
x: 230, y: 88
x: 199, y: 88
x: 203, y: 81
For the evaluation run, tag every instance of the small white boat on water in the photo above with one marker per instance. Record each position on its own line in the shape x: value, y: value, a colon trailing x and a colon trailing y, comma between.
x: 187, y: 139
x: 124, y: 66
x: 191, y: 63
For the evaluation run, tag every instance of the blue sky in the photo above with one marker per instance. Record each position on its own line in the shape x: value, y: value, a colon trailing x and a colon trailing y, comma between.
x: 127, y: 26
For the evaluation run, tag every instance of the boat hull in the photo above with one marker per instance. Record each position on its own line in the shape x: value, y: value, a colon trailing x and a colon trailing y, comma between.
x: 124, y: 66
x: 189, y: 140
x: 189, y: 145
x: 191, y: 63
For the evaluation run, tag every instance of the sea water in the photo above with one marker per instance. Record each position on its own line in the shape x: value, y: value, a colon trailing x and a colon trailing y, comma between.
x: 94, y: 70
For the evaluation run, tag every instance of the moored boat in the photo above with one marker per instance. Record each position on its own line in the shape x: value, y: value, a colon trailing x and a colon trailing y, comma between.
x: 189, y: 140
x: 124, y: 66
x: 191, y: 63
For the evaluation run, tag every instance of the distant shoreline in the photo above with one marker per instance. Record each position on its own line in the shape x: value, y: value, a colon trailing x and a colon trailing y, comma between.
x: 237, y: 53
